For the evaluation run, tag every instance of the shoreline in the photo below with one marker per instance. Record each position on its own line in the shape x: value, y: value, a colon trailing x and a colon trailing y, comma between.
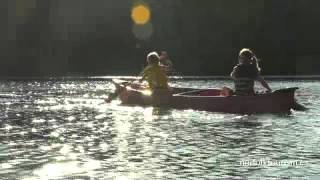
x: 103, y: 78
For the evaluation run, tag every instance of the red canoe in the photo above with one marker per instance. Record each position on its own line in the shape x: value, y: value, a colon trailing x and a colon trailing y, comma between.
x: 210, y: 100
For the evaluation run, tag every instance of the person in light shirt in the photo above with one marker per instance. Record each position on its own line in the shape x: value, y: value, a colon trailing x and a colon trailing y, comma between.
x: 166, y: 63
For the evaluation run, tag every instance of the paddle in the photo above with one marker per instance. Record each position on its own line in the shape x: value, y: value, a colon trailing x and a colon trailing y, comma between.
x: 119, y: 89
x: 191, y: 92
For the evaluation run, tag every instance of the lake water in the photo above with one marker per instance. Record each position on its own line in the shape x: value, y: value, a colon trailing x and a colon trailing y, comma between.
x: 62, y: 129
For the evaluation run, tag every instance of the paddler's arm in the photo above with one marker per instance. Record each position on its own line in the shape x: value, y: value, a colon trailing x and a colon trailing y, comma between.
x: 142, y: 79
x: 166, y: 69
x: 263, y: 83
x: 166, y: 65
x: 233, y: 73
x: 144, y: 74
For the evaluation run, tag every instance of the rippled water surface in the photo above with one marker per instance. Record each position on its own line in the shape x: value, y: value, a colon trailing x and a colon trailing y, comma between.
x: 64, y: 130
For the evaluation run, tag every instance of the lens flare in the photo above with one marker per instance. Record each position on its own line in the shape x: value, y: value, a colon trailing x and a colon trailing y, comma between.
x: 25, y: 8
x: 143, y: 32
x: 140, y: 14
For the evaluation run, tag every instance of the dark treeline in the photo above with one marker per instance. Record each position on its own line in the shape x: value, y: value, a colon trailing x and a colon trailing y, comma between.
x: 203, y: 37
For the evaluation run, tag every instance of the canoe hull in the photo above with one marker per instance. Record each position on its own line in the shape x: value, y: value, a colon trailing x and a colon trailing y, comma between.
x: 267, y: 103
x: 210, y: 100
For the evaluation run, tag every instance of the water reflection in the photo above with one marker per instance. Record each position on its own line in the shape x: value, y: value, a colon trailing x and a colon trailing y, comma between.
x: 63, y: 129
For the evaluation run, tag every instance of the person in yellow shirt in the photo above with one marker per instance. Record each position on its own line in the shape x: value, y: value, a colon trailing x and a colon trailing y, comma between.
x: 154, y: 73
x: 157, y: 80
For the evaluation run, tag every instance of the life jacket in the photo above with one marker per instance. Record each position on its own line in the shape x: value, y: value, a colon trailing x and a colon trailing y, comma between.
x: 244, y: 86
x: 245, y: 75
